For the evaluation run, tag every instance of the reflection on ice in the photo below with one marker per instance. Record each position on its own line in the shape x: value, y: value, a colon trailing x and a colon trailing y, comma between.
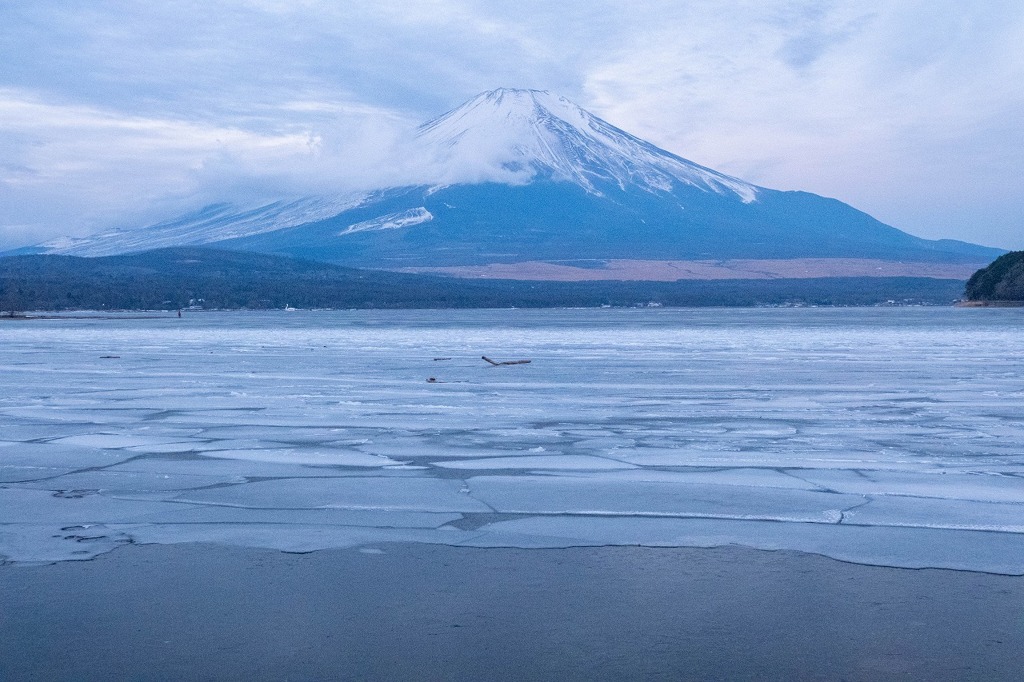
x: 888, y: 436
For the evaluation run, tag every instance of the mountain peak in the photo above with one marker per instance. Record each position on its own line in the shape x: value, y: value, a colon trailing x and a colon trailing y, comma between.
x: 530, y: 104
x: 514, y: 96
x: 515, y: 136
x: 512, y: 101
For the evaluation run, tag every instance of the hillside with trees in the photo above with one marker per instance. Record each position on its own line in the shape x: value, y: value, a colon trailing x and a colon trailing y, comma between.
x: 1001, y: 281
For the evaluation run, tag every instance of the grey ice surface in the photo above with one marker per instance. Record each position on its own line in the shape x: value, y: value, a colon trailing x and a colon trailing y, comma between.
x: 890, y: 436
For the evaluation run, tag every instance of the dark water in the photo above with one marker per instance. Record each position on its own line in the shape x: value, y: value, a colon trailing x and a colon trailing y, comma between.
x: 418, y: 612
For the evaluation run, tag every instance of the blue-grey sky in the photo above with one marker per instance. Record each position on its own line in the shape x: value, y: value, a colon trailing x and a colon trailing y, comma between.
x: 116, y: 112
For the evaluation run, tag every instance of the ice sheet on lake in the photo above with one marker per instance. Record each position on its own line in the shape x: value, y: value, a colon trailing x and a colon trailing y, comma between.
x: 296, y: 539
x: 398, y: 493
x: 128, y: 482
x: 206, y: 514
x: 232, y: 468
x: 939, y: 513
x: 983, y: 486
x: 888, y: 436
x: 880, y: 545
x: 565, y: 495
x: 112, y: 441
x: 565, y: 462
x: 23, y: 505
x: 309, y: 456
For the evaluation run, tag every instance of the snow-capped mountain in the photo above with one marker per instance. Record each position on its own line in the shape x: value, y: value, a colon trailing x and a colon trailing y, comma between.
x: 535, y: 134
x: 525, y: 175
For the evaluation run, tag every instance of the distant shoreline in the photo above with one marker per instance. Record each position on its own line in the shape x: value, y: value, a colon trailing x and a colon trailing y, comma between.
x: 85, y: 315
x: 146, y: 314
x: 989, y: 304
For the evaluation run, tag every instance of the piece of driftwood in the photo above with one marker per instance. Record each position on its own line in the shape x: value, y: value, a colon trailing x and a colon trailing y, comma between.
x: 440, y: 359
x: 506, y: 362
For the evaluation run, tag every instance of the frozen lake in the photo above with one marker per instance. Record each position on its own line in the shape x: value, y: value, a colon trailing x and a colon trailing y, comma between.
x: 890, y: 436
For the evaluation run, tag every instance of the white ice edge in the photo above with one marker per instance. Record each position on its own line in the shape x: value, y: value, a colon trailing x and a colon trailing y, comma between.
x: 886, y: 546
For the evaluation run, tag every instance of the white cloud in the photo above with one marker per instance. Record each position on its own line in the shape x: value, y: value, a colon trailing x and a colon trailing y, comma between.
x: 71, y: 169
x: 898, y: 109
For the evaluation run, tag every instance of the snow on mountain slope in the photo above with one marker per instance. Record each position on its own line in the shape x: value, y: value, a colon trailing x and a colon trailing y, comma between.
x: 516, y: 135
x: 391, y: 221
x: 214, y: 223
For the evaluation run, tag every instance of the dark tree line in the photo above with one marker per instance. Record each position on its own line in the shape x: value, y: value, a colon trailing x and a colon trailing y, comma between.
x: 177, y: 278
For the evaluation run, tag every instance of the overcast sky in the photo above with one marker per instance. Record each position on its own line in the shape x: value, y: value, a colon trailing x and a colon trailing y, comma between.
x: 117, y: 113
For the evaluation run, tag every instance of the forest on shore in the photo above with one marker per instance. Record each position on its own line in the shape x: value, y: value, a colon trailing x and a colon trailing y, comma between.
x: 168, y: 279
x: 1001, y: 281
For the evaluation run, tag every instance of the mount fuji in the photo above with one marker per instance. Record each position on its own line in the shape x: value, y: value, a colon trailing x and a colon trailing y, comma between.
x: 526, y: 176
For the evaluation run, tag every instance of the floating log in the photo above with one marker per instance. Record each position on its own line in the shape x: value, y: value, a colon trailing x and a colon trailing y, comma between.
x: 506, y: 362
